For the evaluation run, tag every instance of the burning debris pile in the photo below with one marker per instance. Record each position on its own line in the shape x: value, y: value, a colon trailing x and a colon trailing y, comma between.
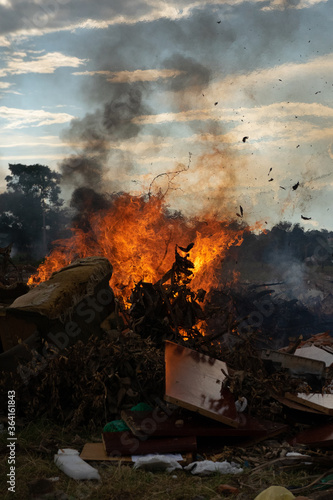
x: 97, y: 355
x: 126, y: 330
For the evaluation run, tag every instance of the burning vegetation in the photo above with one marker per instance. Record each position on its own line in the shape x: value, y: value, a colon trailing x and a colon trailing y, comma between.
x: 138, y: 235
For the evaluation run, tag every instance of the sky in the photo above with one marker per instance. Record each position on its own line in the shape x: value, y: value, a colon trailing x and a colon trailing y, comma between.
x: 217, y: 104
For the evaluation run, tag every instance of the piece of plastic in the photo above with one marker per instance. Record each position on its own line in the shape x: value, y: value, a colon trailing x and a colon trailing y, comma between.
x: 141, y: 407
x: 207, y: 467
x: 155, y: 463
x: 275, y: 493
x: 241, y: 404
x: 116, y: 426
x: 72, y: 465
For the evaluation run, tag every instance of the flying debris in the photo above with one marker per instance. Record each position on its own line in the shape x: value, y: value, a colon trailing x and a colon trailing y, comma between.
x: 295, y: 186
x: 241, y: 211
x: 306, y: 218
x: 245, y: 138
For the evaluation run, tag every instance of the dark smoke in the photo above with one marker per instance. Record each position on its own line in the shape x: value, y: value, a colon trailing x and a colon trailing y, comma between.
x: 86, y: 202
x: 194, y: 74
x: 97, y: 136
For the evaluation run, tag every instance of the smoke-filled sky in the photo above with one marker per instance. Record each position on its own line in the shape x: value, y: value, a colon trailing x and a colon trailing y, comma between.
x: 112, y: 93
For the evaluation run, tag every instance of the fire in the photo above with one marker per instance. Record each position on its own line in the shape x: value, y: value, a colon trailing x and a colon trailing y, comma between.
x: 138, y: 236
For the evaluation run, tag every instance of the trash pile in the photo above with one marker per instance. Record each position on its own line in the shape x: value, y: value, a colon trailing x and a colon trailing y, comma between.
x: 151, y: 379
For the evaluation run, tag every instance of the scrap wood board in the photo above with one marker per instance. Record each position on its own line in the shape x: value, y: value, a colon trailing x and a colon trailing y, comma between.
x: 194, y: 381
x: 125, y: 443
x: 321, y: 402
x: 296, y: 406
x: 158, y: 423
x: 321, y: 437
x: 96, y: 451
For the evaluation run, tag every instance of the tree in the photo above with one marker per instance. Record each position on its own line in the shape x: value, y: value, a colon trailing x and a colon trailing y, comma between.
x: 31, y: 207
x: 37, y: 181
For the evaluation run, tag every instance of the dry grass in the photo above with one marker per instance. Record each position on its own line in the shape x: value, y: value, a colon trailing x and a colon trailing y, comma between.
x: 37, y: 443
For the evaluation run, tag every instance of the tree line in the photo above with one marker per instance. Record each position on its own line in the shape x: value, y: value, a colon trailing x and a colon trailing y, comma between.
x: 32, y: 216
x: 31, y: 209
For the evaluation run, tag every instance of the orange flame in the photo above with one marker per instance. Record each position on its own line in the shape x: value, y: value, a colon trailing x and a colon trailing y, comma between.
x: 138, y: 236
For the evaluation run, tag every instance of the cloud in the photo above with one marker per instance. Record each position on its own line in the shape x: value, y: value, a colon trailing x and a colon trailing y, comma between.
x: 5, y: 85
x: 27, y: 141
x: 278, y: 110
x: 301, y: 75
x: 292, y: 4
x: 17, y: 64
x: 35, y: 18
x: 20, y: 118
x: 6, y: 3
x: 4, y: 42
x: 139, y: 75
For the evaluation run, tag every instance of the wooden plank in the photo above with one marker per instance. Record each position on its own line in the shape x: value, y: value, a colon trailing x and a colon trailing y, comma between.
x: 125, y: 443
x: 194, y: 381
x: 321, y: 402
x: 158, y: 423
x: 293, y: 405
x: 321, y: 437
x: 295, y: 364
x: 313, y: 352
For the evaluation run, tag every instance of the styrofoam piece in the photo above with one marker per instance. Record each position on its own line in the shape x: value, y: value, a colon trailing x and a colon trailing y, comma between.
x: 72, y: 465
x: 207, y: 467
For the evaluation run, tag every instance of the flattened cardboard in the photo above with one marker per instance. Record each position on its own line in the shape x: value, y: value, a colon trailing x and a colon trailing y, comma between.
x: 321, y: 402
x: 194, y: 381
x: 96, y: 451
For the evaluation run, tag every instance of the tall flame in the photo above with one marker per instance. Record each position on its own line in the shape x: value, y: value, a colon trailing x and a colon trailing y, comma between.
x: 138, y: 236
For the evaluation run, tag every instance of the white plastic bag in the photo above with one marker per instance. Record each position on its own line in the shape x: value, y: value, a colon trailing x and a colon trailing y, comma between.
x: 157, y: 463
x: 70, y: 463
x: 207, y: 467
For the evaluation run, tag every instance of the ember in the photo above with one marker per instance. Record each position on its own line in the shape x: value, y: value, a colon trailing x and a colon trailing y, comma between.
x: 138, y: 235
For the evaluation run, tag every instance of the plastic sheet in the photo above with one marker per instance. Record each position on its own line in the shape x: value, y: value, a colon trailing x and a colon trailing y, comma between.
x: 157, y: 463
x: 207, y: 467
